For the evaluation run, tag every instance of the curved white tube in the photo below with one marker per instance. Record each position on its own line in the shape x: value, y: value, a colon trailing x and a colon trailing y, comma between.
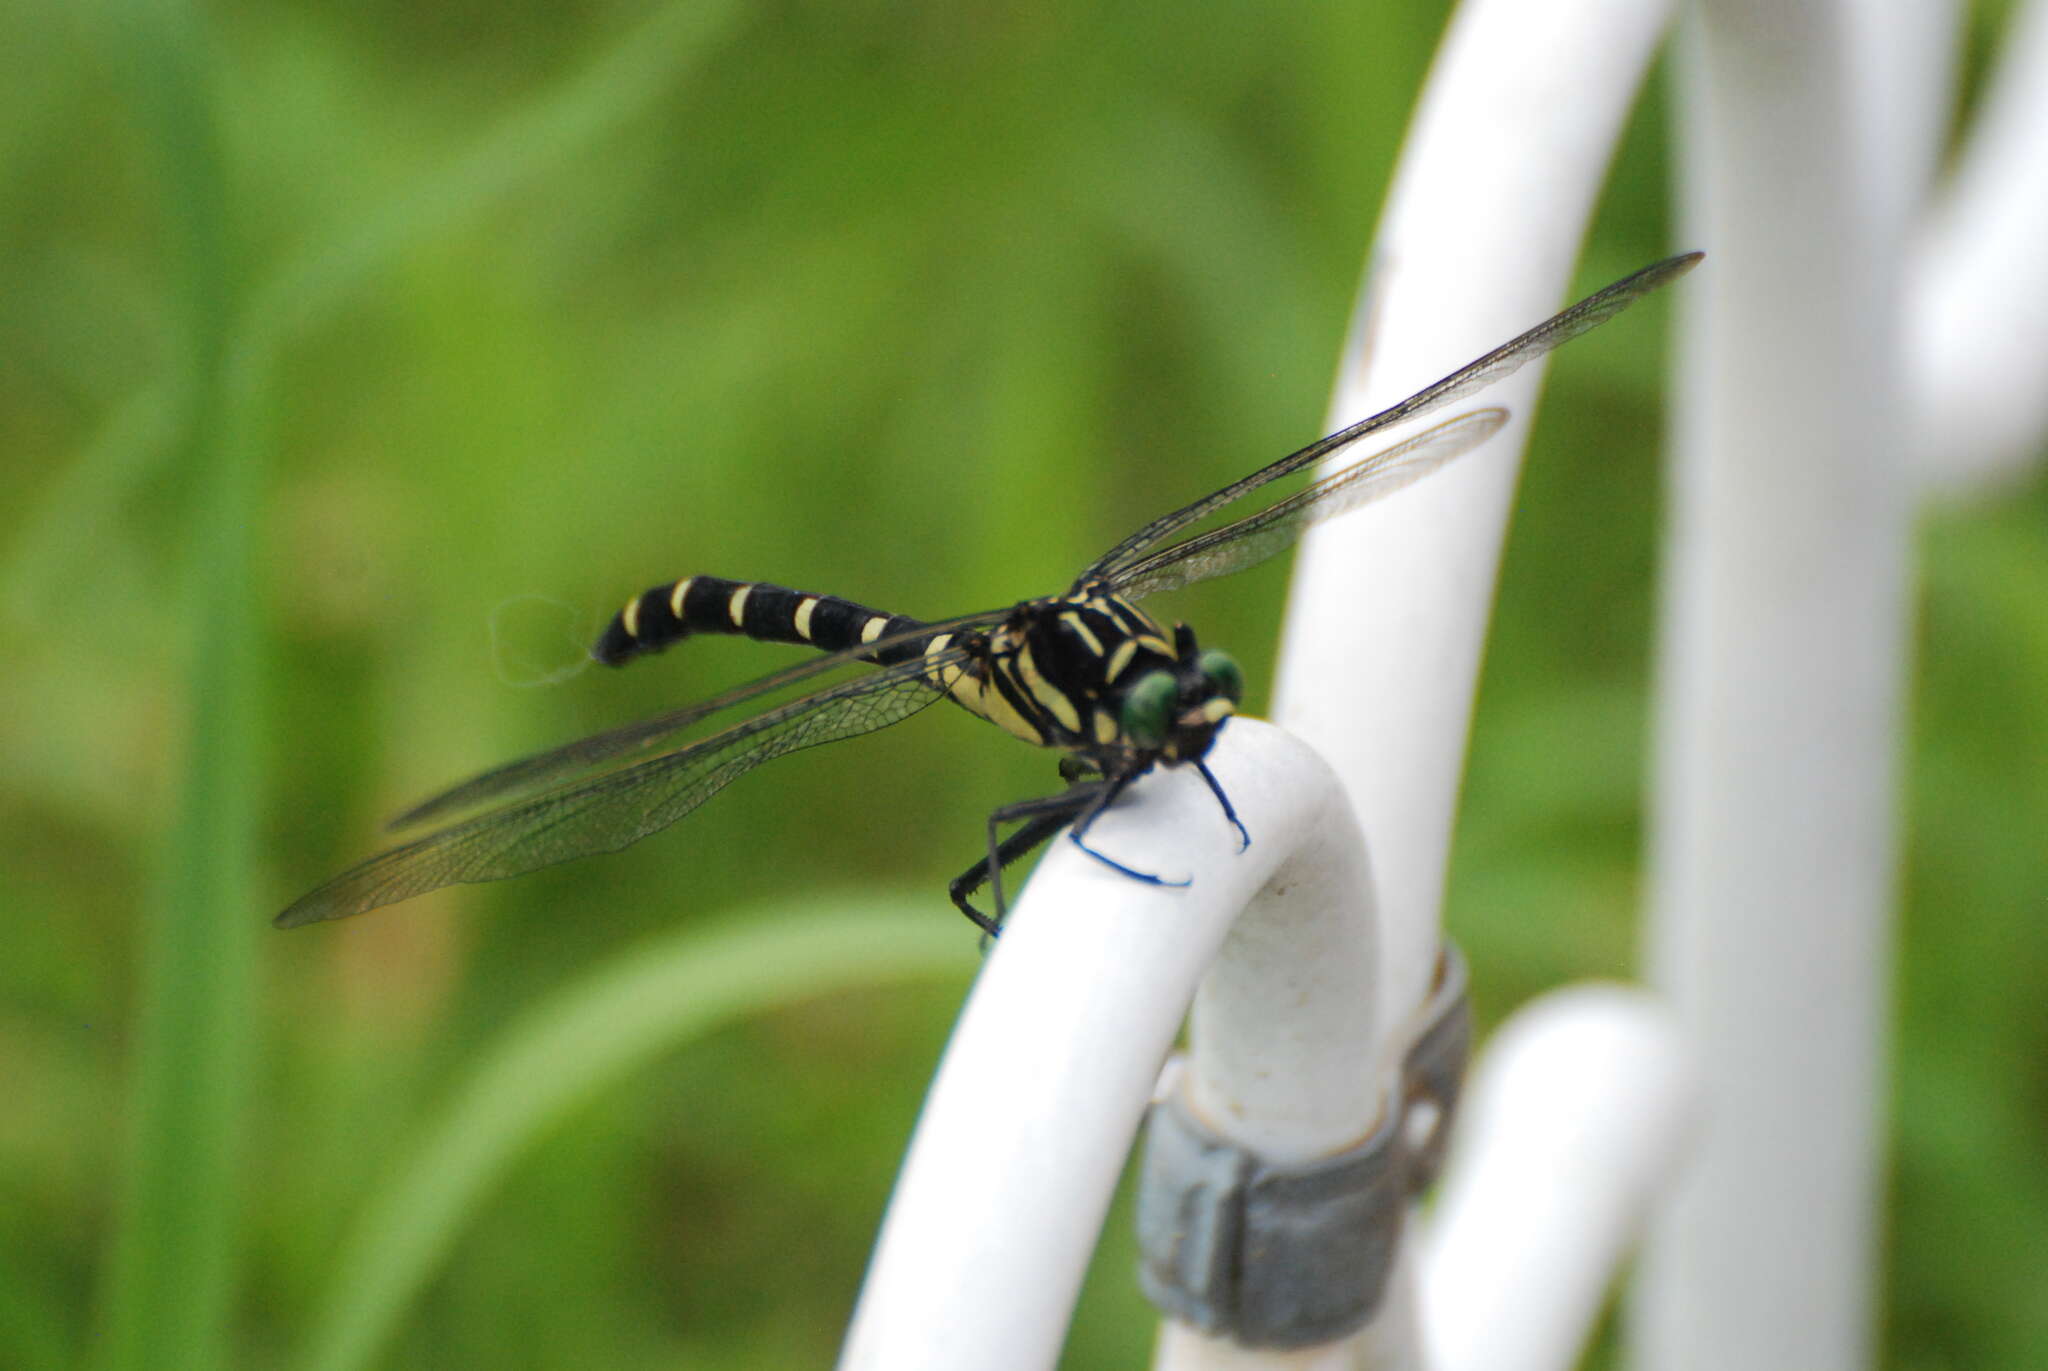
x: 1049, y: 1073
x: 1574, y: 1121
x: 1498, y: 178
x: 1975, y: 315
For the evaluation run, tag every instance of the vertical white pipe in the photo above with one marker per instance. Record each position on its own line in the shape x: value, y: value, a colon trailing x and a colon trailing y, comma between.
x: 1779, y: 708
x: 1388, y: 615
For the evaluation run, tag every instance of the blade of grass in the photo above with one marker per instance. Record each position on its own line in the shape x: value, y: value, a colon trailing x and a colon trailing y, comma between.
x: 168, y: 1287
x: 583, y: 1040
x: 169, y: 1282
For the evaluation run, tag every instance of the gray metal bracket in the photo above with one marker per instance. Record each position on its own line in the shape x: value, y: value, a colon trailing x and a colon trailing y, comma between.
x: 1296, y: 1254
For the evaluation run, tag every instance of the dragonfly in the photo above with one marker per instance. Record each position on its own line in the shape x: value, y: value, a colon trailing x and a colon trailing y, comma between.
x: 1086, y: 672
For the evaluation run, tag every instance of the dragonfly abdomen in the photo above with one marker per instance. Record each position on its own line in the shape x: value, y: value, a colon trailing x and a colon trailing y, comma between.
x: 666, y: 614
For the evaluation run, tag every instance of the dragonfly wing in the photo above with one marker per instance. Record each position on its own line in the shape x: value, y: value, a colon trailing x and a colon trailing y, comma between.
x: 530, y: 775
x: 589, y: 815
x: 1509, y: 357
x: 1253, y: 539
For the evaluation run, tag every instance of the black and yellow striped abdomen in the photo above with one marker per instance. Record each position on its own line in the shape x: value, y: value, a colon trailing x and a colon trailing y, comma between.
x: 1050, y: 674
x: 667, y: 614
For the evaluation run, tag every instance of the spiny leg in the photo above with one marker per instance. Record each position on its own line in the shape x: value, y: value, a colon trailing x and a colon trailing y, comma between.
x: 1043, y: 816
x: 990, y: 868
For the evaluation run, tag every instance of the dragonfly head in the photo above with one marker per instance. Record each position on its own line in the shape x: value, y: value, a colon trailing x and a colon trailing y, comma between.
x: 1176, y: 713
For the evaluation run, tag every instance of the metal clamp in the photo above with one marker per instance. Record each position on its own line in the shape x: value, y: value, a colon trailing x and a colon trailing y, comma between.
x: 1298, y: 1254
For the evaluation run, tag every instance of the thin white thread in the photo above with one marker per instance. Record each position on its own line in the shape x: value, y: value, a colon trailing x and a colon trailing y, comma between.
x: 525, y: 673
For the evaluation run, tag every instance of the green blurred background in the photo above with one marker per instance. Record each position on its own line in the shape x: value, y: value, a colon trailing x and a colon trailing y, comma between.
x: 361, y: 358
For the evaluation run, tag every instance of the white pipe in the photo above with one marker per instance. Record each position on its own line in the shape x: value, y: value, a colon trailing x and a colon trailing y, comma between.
x: 1289, y: 1055
x: 1388, y: 615
x: 1975, y: 316
x: 1573, y: 1123
x: 1389, y: 609
x: 1779, y: 709
x: 1285, y: 1053
x: 1902, y: 66
x: 1042, y: 1089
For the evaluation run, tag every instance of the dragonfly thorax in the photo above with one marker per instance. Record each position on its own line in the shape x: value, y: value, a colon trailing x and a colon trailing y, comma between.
x: 1092, y: 674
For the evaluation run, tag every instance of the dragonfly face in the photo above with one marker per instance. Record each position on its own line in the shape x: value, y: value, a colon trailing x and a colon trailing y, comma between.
x: 1088, y: 673
x: 1175, y: 715
x: 1093, y: 675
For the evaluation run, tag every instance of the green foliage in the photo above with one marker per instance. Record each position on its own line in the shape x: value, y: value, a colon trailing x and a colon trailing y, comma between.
x: 169, y: 1281
x: 362, y: 358
x: 564, y: 1051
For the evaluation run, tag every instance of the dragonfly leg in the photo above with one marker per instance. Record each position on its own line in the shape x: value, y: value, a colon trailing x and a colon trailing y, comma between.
x: 1244, y: 839
x: 1110, y: 791
x: 1043, y: 817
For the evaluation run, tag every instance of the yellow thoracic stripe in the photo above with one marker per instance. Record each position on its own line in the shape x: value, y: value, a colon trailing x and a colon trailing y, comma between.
x: 1081, y: 630
x: 1120, y: 659
x: 947, y: 677
x: 1049, y: 696
x: 803, y: 616
x: 989, y: 701
x: 872, y: 629
x: 978, y: 694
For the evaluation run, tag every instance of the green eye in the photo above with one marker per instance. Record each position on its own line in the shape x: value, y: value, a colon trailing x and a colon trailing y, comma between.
x: 1222, y: 673
x: 1147, y: 706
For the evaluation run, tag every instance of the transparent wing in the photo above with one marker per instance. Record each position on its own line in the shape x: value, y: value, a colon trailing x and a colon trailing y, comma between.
x: 1591, y: 312
x: 1253, y: 539
x: 588, y: 815
x: 543, y: 769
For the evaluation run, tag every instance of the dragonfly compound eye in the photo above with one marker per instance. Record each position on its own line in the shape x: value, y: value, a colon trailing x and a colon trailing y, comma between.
x: 1222, y: 675
x: 1148, y: 708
